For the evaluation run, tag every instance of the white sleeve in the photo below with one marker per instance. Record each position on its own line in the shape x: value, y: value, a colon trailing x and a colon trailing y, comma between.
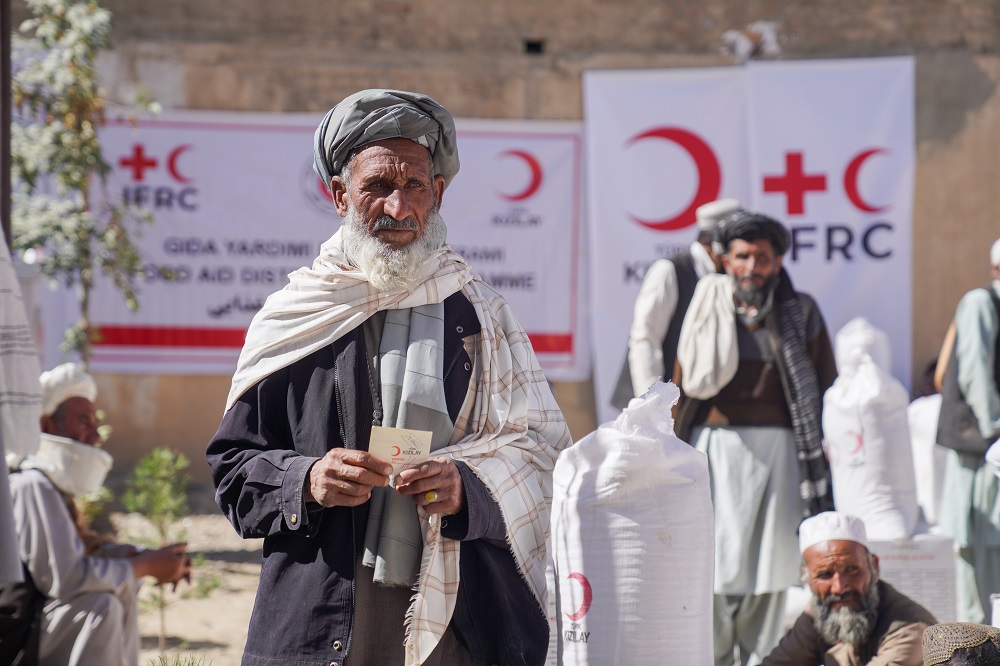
x: 49, y: 544
x: 654, y: 308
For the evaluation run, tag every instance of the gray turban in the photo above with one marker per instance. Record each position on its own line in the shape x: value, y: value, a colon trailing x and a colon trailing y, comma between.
x: 749, y: 226
x: 374, y: 115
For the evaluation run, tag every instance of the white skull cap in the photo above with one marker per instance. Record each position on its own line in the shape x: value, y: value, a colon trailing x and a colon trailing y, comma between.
x: 995, y: 253
x: 831, y: 526
x: 63, y: 382
x: 709, y: 215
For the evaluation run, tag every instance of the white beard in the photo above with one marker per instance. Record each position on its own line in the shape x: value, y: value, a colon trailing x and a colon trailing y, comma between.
x: 389, y: 269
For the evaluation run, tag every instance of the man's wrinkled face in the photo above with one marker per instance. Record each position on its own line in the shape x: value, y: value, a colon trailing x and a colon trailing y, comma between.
x: 392, y: 186
x: 843, y: 576
x: 754, y: 266
x: 76, y: 418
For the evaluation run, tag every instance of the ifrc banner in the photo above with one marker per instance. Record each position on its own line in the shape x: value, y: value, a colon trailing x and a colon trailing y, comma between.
x: 826, y: 147
x: 237, y: 207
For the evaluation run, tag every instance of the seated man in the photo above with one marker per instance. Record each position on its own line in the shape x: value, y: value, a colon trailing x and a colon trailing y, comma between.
x: 90, y: 583
x: 961, y: 644
x: 854, y: 618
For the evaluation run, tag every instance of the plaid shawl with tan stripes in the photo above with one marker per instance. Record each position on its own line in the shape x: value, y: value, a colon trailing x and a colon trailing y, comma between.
x: 510, y: 430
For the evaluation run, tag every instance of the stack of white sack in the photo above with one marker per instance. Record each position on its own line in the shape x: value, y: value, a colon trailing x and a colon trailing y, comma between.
x: 632, y: 543
x: 868, y: 435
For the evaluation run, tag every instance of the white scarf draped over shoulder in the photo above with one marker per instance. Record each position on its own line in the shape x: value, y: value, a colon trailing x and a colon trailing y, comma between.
x: 707, y: 350
x: 509, y: 432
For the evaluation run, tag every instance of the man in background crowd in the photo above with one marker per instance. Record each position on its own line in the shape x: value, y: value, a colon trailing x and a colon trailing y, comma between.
x: 969, y: 423
x: 853, y: 618
x: 753, y: 362
x: 89, y: 582
x: 662, y: 302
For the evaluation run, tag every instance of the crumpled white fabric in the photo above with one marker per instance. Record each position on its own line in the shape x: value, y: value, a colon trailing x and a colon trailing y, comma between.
x: 707, y: 350
x: 74, y: 467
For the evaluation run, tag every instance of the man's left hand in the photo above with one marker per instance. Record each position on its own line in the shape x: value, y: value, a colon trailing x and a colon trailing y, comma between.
x: 435, y: 484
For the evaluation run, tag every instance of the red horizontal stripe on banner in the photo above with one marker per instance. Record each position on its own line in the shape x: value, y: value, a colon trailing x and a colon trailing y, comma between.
x: 551, y: 343
x: 160, y: 336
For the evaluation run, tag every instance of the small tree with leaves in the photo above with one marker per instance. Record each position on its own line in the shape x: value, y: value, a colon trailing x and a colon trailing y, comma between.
x: 63, y: 218
x: 158, y: 491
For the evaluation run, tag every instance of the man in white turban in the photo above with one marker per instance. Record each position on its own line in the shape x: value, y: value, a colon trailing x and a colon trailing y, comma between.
x: 89, y: 583
x: 854, y: 618
x: 387, y: 333
x: 663, y: 301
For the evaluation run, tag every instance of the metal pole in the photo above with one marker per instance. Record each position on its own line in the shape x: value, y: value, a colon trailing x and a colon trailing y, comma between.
x: 5, y: 114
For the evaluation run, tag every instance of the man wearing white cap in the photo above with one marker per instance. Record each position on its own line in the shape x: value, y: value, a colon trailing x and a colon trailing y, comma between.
x: 854, y: 619
x: 662, y: 302
x: 968, y: 424
x: 390, y: 332
x: 89, y: 583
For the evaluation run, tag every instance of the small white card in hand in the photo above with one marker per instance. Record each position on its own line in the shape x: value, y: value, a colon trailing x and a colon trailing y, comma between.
x: 399, y: 446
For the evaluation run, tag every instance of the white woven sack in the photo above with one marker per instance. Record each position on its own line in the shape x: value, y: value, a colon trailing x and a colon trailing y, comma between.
x: 868, y: 437
x: 632, y: 543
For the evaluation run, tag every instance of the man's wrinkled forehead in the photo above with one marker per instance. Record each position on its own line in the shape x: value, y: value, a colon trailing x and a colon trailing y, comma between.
x: 390, y: 154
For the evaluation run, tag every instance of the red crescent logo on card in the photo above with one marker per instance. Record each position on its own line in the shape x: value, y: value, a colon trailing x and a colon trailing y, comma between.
x: 709, y: 175
x: 851, y: 181
x: 536, y: 175
x: 588, y: 596
x: 396, y: 450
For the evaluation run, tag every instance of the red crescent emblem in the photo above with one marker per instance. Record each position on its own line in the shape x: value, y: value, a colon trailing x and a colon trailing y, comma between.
x: 172, y: 164
x: 588, y: 596
x: 859, y: 440
x: 536, y: 175
x: 324, y: 191
x: 709, y: 175
x: 395, y: 450
x: 851, y: 181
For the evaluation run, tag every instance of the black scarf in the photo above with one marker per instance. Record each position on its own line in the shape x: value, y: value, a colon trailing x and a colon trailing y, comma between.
x: 805, y: 403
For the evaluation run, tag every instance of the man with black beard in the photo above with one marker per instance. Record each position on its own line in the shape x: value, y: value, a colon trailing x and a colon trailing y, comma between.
x: 853, y: 619
x: 753, y: 361
x: 439, y: 561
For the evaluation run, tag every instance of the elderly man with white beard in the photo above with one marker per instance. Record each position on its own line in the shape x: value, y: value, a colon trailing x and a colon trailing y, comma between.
x: 854, y: 618
x: 442, y: 562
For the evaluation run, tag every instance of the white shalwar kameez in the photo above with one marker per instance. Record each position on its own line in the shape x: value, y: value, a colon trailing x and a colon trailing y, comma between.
x: 91, y: 619
x: 758, y: 508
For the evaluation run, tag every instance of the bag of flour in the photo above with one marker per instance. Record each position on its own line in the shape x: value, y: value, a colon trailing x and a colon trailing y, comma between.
x: 868, y: 436
x: 632, y: 543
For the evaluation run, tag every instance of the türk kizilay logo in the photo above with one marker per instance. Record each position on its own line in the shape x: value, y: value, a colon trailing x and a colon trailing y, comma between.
x: 576, y: 633
x: 315, y: 191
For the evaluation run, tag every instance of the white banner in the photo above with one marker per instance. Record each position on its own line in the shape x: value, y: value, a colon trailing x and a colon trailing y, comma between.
x: 824, y: 146
x: 237, y: 207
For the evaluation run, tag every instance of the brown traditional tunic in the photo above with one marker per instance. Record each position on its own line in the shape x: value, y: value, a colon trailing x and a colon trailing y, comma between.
x: 895, y: 639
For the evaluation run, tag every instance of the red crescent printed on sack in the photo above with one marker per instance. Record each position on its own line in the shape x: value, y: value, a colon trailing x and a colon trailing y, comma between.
x: 851, y: 181
x: 536, y: 175
x: 395, y: 450
x: 172, y: 164
x: 709, y: 175
x: 588, y: 596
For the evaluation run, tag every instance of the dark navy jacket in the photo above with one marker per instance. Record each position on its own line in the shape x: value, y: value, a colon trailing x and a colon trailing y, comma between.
x: 259, y: 460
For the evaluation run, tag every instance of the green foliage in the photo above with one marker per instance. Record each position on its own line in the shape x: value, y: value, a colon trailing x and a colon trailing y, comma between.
x: 158, y: 489
x: 57, y: 163
x: 93, y: 505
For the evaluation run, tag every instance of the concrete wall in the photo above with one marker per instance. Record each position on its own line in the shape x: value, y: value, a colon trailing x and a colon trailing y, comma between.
x: 306, y: 55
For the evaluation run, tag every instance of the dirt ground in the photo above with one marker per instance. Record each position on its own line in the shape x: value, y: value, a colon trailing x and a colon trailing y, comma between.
x: 208, y: 619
